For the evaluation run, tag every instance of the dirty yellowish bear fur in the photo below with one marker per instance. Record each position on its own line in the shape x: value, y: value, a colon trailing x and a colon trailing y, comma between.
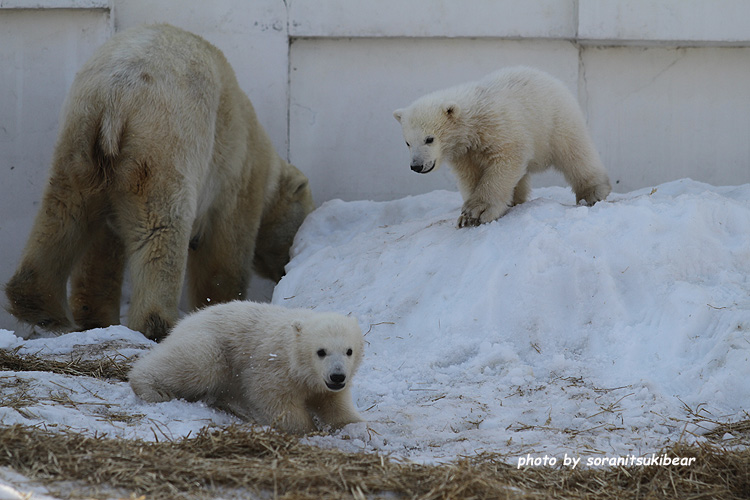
x: 161, y: 163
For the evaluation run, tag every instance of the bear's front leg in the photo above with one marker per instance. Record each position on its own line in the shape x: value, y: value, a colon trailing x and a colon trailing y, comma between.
x: 478, y: 211
x: 493, y: 192
x: 337, y: 409
x: 289, y: 416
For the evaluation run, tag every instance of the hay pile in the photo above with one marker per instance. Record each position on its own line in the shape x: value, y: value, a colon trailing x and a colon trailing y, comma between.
x: 107, y: 367
x: 247, y: 460
x: 239, y: 461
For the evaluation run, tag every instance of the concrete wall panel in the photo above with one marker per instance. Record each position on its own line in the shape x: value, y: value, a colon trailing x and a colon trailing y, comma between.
x: 660, y: 114
x: 344, y: 91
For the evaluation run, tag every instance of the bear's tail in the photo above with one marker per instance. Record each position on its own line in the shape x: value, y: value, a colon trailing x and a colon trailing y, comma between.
x: 111, y: 127
x: 106, y: 137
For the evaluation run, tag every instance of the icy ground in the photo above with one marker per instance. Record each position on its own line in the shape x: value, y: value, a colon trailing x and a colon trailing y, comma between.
x: 610, y: 330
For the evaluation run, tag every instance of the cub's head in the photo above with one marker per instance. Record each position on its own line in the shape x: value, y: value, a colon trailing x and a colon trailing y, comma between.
x: 329, y: 349
x: 427, y: 124
x: 287, y: 210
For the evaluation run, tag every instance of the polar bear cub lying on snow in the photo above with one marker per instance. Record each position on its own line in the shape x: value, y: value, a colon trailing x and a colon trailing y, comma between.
x: 496, y: 132
x: 274, y: 365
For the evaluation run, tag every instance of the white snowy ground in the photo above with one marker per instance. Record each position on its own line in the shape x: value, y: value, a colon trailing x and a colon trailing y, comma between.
x: 601, y: 331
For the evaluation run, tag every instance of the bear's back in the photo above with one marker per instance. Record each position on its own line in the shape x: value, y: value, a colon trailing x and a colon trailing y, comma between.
x: 531, y: 87
x: 154, y: 54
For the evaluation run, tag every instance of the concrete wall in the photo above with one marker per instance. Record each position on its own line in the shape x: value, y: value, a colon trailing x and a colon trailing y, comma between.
x: 665, y: 84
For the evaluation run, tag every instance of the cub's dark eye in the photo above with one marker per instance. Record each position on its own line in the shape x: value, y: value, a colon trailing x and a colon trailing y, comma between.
x: 407, y: 144
x: 429, y: 140
x: 349, y: 352
x: 321, y: 353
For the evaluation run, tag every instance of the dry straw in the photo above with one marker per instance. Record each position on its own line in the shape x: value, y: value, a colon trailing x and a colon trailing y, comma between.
x: 247, y: 462
x: 107, y: 367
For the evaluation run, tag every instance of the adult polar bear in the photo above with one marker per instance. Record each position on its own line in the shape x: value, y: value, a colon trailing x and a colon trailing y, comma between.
x: 496, y: 132
x: 274, y: 365
x: 159, y: 152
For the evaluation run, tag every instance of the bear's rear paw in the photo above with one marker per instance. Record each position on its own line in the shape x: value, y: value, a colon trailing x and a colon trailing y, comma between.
x: 592, y: 194
x: 31, y: 302
x: 475, y: 213
x: 153, y: 325
x: 150, y: 392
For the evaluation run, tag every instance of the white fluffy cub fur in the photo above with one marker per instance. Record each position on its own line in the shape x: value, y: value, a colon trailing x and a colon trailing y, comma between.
x: 497, y: 131
x: 274, y: 365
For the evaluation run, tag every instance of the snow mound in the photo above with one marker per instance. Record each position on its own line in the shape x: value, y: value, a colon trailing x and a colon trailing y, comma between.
x: 601, y: 331
x: 612, y: 329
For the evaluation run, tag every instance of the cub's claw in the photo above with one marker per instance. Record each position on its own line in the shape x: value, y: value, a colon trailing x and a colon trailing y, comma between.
x: 475, y: 213
x: 466, y: 220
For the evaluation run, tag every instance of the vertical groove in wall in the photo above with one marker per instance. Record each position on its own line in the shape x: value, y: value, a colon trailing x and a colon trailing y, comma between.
x: 112, y: 21
x: 583, y: 90
x: 288, y: 85
x: 583, y: 93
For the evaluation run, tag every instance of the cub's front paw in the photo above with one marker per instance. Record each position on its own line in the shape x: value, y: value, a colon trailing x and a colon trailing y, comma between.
x: 475, y: 213
x: 592, y: 194
x: 465, y: 221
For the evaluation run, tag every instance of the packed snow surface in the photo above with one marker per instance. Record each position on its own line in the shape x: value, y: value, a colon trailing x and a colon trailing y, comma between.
x: 611, y: 330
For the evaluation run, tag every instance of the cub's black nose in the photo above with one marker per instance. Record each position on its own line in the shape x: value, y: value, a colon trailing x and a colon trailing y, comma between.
x: 338, y: 378
x: 417, y: 168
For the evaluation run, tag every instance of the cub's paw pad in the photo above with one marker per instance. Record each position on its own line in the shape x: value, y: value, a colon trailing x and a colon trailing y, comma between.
x: 467, y: 221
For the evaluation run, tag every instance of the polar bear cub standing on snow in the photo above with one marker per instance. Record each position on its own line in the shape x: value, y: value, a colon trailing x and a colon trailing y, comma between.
x: 274, y: 365
x: 496, y: 132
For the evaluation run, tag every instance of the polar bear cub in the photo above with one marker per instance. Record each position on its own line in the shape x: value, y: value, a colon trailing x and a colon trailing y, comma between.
x: 274, y: 365
x: 496, y: 132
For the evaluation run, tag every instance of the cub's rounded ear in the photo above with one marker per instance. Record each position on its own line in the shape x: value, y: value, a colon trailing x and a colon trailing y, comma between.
x: 301, y: 185
x: 451, y: 109
x: 398, y: 114
x: 293, y: 179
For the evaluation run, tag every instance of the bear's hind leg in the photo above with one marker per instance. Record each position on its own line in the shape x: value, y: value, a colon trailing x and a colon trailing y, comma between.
x: 583, y: 170
x: 522, y: 190
x: 151, y: 390
x: 191, y: 366
x: 37, y: 292
x: 96, y: 283
x: 154, y: 220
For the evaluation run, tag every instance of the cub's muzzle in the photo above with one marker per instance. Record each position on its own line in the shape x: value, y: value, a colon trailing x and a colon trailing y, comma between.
x: 423, y: 168
x: 336, y: 382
